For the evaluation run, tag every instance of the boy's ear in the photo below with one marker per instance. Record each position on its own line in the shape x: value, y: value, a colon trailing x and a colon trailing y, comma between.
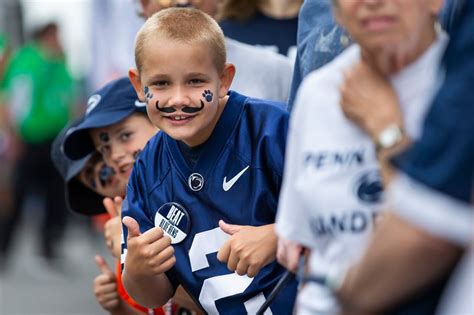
x: 226, y: 79
x: 134, y: 77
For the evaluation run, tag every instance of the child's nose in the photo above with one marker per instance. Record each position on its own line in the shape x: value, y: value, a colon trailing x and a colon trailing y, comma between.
x: 180, y: 98
x: 117, y: 154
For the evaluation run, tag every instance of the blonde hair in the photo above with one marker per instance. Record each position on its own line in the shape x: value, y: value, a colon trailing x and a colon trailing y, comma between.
x: 185, y: 25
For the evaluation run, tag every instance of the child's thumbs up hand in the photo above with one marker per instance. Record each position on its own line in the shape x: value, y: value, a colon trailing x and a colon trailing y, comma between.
x: 149, y: 253
x: 132, y: 227
x: 105, y: 286
x: 113, y: 226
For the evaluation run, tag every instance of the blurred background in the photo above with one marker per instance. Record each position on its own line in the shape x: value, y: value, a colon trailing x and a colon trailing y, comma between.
x: 96, y: 43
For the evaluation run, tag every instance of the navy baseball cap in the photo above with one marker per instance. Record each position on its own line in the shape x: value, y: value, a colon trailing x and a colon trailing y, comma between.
x: 79, y: 198
x: 111, y: 104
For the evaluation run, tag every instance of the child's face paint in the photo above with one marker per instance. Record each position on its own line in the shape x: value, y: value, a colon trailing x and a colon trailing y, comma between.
x: 193, y: 110
x: 185, y: 109
x: 167, y: 110
x: 102, y: 179
x: 126, y: 138
x: 148, y: 94
x: 187, y: 89
x: 208, y: 95
x: 106, y: 174
x: 104, y: 137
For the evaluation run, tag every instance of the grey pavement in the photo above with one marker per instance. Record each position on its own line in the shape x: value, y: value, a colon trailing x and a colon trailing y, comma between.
x: 31, y: 286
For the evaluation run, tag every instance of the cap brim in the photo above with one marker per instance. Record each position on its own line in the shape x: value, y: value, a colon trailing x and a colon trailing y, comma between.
x: 75, y: 167
x: 78, y: 143
x: 82, y: 200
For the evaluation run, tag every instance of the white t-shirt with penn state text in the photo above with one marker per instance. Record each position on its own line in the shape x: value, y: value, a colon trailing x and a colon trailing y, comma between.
x: 332, y: 189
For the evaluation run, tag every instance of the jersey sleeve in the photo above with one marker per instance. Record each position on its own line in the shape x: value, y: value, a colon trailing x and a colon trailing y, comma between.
x: 437, y: 171
x: 292, y: 220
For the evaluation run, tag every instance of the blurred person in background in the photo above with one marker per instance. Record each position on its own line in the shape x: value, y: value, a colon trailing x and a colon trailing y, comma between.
x: 261, y: 73
x: 320, y: 40
x: 5, y: 168
x: 38, y: 97
x: 4, y: 53
x: 271, y: 24
x: 111, y: 58
x: 333, y: 192
x: 430, y: 182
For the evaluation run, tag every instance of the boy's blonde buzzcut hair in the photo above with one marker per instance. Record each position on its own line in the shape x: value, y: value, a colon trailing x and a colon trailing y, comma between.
x: 185, y: 25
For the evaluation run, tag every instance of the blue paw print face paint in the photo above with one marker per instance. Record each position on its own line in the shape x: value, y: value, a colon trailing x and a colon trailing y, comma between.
x: 104, y: 137
x: 105, y: 174
x: 208, y: 95
x: 148, y: 94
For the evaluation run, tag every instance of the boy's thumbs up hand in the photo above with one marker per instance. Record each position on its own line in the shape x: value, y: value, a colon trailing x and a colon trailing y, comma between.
x: 105, y: 286
x: 149, y: 253
x: 132, y: 227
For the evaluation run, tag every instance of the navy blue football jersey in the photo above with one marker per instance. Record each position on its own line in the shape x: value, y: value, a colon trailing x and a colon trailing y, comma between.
x: 236, y: 178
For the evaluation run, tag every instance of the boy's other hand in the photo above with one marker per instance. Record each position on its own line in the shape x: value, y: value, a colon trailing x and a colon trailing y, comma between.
x: 149, y: 253
x: 105, y: 286
x: 249, y: 248
x: 113, y: 227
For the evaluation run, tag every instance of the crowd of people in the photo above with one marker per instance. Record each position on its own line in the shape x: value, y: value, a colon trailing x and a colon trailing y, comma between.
x: 262, y: 157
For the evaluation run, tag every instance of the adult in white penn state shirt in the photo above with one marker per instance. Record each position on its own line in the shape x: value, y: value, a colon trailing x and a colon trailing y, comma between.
x: 332, y: 189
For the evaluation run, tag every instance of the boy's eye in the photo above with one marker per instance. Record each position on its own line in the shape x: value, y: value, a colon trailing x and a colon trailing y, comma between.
x: 161, y: 83
x: 196, y: 81
x: 125, y: 136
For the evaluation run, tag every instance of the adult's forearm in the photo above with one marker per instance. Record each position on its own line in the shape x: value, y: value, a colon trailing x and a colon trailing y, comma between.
x: 400, y: 260
x: 151, y: 292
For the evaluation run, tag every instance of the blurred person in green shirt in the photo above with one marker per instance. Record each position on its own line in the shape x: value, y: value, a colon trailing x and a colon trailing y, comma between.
x: 37, y: 99
x: 4, y: 53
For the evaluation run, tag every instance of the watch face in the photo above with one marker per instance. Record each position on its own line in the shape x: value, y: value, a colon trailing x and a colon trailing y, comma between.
x: 390, y: 136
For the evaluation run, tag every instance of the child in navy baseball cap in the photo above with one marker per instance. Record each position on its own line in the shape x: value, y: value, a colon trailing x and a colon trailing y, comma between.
x: 87, y: 180
x: 115, y: 124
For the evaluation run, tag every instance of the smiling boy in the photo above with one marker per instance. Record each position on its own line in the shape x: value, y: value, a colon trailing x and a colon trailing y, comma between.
x: 219, y: 159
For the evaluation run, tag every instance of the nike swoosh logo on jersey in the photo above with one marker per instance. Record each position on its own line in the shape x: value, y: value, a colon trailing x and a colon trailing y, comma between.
x: 226, y: 185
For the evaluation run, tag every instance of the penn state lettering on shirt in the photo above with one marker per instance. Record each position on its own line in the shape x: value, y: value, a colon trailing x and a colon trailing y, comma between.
x: 342, y: 158
x: 356, y: 221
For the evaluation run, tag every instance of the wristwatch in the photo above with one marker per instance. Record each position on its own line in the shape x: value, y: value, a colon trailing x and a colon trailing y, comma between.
x: 389, y: 137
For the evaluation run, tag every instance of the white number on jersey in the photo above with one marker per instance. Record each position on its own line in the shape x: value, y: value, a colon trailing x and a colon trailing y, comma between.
x: 218, y: 287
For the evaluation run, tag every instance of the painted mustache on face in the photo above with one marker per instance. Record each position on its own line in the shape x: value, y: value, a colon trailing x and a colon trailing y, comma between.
x: 186, y: 109
x: 207, y: 94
